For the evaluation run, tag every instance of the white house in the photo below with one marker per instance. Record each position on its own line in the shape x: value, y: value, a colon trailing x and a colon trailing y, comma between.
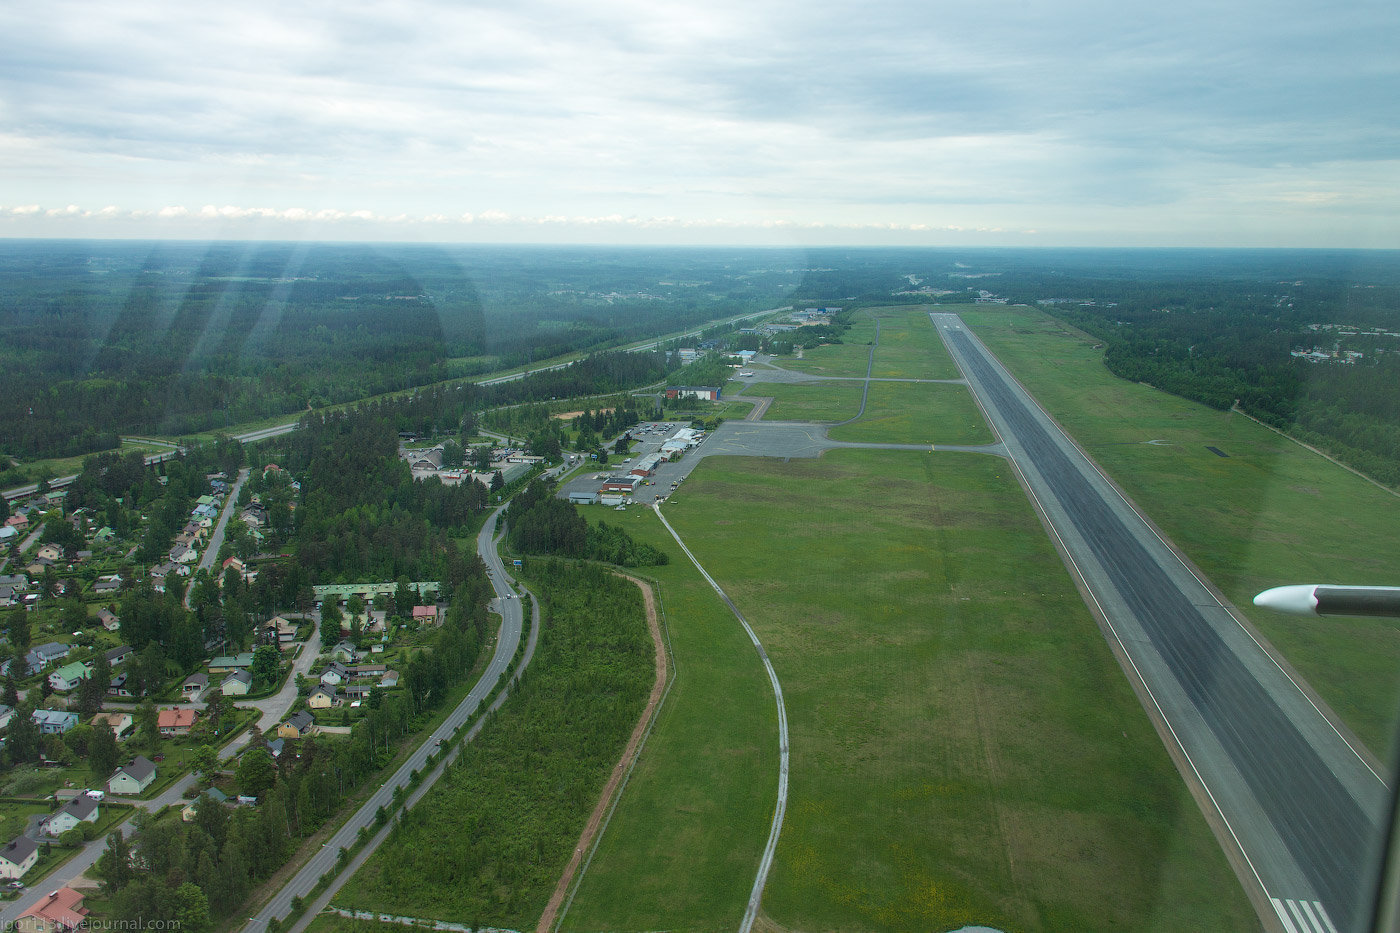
x: 334, y: 675
x: 132, y: 778
x: 81, y: 809
x: 18, y: 857
x: 68, y: 676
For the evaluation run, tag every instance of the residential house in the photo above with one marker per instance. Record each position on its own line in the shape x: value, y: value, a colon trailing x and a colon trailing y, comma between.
x: 194, y: 685
x: 213, y: 793
x: 334, y: 675
x: 297, y: 726
x: 354, y: 692
x: 68, y: 676
x: 225, y: 664
x: 237, y: 684
x: 18, y: 857
x: 345, y: 651
x: 6, y: 714
x: 390, y: 679
x: 117, y: 688
x: 132, y: 778
x: 183, y: 554
x: 44, y: 655
x: 9, y: 596
x: 49, y: 552
x: 121, y: 723
x: 368, y: 670
x: 176, y: 721
x: 427, y: 615
x: 279, y: 631
x: 81, y: 809
x: 109, y: 619
x: 107, y: 587
x: 37, y: 566
x: 59, y: 911
x: 53, y: 721
x: 117, y: 655
x: 323, y: 698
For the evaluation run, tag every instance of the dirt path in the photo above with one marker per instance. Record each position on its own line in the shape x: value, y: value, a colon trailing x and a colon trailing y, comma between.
x: 595, y: 819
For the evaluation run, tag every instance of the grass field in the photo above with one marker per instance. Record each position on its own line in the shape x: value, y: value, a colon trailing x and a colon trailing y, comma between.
x: 848, y: 358
x: 917, y: 413
x: 812, y: 401
x: 1268, y: 513
x: 682, y: 846
x: 909, y: 346
x: 919, y: 622
x: 964, y: 746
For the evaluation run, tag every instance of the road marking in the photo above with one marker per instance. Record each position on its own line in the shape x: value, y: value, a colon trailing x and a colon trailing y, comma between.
x: 1303, y: 916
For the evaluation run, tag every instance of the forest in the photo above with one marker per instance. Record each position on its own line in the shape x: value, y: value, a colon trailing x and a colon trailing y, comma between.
x: 1234, y: 343
x: 489, y: 842
x: 103, y: 339
x: 99, y: 339
x: 541, y: 523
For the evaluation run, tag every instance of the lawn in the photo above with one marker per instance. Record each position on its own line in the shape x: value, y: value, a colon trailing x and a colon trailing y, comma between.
x: 909, y: 347
x: 851, y: 357
x: 1268, y: 513
x: 918, y: 413
x: 682, y: 846
x: 14, y: 817
x: 810, y: 401
x: 964, y: 746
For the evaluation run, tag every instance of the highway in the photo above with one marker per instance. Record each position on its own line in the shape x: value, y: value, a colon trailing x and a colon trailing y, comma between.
x: 1295, y: 805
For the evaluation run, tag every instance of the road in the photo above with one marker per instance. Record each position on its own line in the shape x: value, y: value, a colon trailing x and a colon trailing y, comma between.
x: 1294, y: 804
x: 216, y: 539
x: 512, y: 618
x: 765, y: 863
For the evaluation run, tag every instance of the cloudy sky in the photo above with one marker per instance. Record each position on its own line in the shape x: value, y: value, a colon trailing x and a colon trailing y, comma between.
x: 996, y: 122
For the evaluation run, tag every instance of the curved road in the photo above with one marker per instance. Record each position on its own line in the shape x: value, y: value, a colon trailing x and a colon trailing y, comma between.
x: 780, y: 808
x: 1295, y: 805
x: 324, y: 860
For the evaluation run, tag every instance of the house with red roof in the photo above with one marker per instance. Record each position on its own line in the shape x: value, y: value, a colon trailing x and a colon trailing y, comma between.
x: 60, y: 910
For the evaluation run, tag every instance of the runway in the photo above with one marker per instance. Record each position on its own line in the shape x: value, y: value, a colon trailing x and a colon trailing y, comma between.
x: 1294, y: 804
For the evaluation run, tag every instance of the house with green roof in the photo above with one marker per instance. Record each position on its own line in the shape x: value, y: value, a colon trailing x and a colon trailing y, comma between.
x: 69, y: 676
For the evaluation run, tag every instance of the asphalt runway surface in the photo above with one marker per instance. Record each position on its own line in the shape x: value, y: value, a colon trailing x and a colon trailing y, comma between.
x: 1301, y: 804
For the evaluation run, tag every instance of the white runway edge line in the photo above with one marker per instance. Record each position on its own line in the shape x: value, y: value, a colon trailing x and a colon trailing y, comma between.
x: 761, y: 879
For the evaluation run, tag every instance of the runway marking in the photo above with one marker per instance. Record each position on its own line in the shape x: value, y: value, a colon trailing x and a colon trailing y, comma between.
x: 1303, y: 916
x: 1012, y: 380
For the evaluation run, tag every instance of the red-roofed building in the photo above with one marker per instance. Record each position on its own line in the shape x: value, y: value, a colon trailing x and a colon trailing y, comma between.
x: 426, y: 614
x: 175, y: 721
x: 60, y: 910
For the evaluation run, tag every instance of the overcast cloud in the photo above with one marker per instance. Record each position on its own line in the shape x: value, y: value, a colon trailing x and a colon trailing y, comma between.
x: 1252, y: 123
